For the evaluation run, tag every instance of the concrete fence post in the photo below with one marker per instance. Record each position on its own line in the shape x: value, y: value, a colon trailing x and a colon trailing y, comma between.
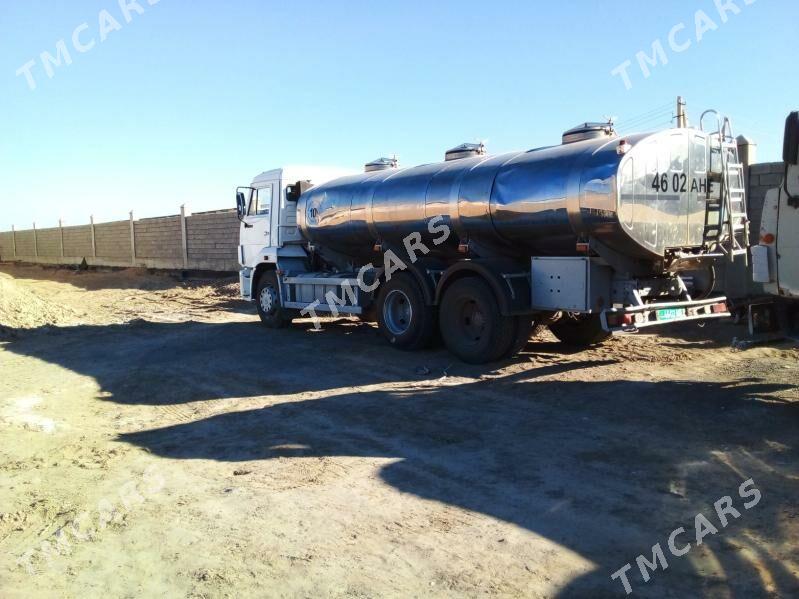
x: 132, y: 240
x: 185, y: 236
x: 61, y: 230
x: 94, y: 239
x: 35, y: 242
x: 14, y: 241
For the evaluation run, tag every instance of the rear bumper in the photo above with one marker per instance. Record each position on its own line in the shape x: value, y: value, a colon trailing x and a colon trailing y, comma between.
x: 631, y: 319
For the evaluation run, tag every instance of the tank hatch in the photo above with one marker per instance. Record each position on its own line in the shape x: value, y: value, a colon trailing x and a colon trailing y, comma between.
x: 588, y: 131
x: 381, y: 164
x: 465, y: 151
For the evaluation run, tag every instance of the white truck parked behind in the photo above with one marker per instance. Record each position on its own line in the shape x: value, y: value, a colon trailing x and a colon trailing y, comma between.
x: 587, y: 237
x: 775, y: 260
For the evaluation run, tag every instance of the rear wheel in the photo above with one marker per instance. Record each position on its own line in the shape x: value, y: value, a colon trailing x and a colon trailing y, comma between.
x: 525, y: 328
x: 472, y: 326
x: 579, y: 330
x: 267, y: 300
x: 368, y: 315
x: 787, y: 317
x: 403, y: 317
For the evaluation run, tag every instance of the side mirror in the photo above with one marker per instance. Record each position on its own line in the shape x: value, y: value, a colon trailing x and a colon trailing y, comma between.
x: 790, y: 148
x: 241, y: 205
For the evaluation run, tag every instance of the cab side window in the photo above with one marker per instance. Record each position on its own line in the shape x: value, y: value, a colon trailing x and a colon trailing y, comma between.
x: 261, y: 201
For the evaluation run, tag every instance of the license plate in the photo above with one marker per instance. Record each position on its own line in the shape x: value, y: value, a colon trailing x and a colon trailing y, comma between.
x: 671, y: 314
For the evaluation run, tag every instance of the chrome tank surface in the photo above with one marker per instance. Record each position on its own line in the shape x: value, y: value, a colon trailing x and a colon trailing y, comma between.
x: 540, y: 202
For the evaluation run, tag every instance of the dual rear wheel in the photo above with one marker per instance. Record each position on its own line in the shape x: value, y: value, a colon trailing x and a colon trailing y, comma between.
x: 475, y: 330
x: 473, y: 327
x: 468, y: 320
x: 579, y: 330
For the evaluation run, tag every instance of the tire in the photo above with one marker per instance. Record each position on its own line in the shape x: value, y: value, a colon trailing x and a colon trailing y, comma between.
x: 525, y: 328
x: 579, y: 330
x: 403, y: 317
x: 267, y: 300
x: 787, y: 317
x: 369, y: 315
x: 472, y: 326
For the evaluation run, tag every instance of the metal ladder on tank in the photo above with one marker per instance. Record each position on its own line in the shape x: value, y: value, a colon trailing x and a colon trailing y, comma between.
x: 726, y: 227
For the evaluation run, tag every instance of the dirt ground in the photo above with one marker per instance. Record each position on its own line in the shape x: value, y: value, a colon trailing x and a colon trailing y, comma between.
x: 156, y: 441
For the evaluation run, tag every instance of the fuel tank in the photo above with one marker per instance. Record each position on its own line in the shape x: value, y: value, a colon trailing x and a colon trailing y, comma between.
x: 640, y: 195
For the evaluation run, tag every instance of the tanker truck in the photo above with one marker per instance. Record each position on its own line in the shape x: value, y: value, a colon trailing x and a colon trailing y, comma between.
x: 596, y: 235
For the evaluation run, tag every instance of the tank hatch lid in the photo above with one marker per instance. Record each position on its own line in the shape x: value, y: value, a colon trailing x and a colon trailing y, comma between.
x: 381, y: 164
x: 588, y: 131
x: 465, y: 151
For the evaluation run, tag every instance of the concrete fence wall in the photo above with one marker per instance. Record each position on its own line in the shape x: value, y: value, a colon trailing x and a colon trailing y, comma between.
x: 213, y: 240
x: 26, y: 246
x: 77, y: 241
x: 6, y: 244
x: 202, y: 241
x: 159, y: 238
x: 48, y: 242
x: 112, y: 241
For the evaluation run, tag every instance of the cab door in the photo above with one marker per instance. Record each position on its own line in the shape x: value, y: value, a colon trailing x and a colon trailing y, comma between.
x: 256, y: 223
x: 788, y: 234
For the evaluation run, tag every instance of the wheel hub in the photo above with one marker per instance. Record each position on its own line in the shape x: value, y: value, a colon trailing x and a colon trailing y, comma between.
x: 267, y: 299
x: 397, y: 312
x: 473, y: 319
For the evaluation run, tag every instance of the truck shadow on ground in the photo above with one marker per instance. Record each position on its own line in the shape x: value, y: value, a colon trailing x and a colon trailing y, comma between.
x: 603, y: 468
x: 153, y: 363
x: 704, y: 334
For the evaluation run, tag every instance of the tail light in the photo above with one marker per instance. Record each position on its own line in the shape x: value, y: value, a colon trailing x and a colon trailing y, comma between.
x: 619, y: 319
x: 719, y: 308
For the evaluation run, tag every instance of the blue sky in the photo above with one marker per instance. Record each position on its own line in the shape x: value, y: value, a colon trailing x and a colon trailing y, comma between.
x: 191, y: 99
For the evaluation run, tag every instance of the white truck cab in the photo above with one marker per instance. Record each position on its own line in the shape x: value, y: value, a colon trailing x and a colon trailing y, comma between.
x: 775, y: 260
x: 267, y: 210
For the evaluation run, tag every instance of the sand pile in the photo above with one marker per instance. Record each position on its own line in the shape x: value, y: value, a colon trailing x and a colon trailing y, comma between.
x: 22, y: 309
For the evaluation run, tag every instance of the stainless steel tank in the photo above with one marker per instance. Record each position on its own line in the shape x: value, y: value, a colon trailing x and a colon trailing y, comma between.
x: 641, y: 195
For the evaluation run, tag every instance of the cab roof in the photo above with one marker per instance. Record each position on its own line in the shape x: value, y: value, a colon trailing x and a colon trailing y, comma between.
x: 292, y: 173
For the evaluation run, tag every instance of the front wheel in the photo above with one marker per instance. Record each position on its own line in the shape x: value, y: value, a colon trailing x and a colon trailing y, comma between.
x: 267, y: 300
x: 579, y: 330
